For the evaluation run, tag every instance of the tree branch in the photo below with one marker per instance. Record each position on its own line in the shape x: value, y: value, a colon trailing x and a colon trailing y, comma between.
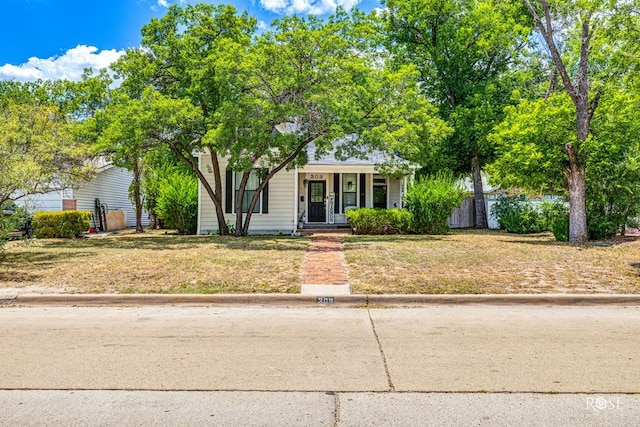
x: 547, y: 33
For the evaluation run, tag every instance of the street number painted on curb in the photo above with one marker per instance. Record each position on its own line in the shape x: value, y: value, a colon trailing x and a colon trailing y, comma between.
x: 325, y: 300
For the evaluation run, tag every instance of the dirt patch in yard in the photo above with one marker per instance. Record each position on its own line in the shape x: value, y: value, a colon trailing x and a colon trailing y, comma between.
x: 472, y: 262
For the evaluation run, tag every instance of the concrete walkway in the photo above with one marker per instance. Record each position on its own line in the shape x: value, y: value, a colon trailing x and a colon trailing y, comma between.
x: 324, y: 269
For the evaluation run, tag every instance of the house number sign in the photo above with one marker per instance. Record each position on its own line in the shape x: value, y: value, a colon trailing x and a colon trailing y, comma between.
x: 332, y: 201
x: 315, y: 176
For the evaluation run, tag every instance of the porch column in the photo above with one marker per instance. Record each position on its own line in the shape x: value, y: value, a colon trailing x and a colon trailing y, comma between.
x: 404, y: 191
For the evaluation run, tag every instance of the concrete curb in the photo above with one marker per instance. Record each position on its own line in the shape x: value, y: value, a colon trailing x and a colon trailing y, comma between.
x: 314, y: 300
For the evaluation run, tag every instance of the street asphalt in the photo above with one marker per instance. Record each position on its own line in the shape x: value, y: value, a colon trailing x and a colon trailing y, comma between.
x: 437, y: 364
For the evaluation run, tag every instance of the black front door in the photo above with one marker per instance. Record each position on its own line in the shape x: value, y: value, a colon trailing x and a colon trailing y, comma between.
x: 317, y: 194
x: 380, y: 196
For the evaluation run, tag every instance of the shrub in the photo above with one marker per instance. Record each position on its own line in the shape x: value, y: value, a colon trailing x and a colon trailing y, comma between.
x: 431, y: 200
x: 11, y: 218
x: 379, y: 221
x: 560, y: 228
x: 556, y: 216
x: 601, y: 226
x: 64, y: 225
x: 518, y: 216
x: 177, y: 203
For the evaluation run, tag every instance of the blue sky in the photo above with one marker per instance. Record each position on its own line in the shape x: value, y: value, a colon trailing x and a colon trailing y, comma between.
x: 52, y: 39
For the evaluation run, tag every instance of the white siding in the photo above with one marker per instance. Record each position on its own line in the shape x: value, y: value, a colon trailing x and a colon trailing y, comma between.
x: 281, y: 209
x: 395, y: 193
x: 111, y: 186
x: 49, y: 202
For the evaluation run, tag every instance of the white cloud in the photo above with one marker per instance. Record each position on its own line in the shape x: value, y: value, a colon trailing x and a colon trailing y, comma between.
x: 68, y: 66
x: 163, y: 3
x: 314, y: 7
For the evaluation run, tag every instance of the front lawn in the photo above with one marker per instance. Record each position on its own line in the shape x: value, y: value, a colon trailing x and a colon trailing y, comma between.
x: 462, y: 262
x: 470, y: 261
x: 154, y: 263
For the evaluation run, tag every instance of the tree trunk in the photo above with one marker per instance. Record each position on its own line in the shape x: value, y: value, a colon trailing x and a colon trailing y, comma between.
x: 579, y: 93
x: 137, y: 195
x: 215, y: 196
x: 239, y: 215
x: 577, y: 206
x: 478, y: 192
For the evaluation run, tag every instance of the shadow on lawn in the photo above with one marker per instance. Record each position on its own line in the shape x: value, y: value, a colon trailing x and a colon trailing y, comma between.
x: 26, y: 266
x: 636, y: 266
x: 523, y: 238
x: 391, y: 238
x: 152, y: 242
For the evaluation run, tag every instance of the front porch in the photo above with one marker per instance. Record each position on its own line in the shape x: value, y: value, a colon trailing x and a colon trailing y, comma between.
x: 324, y: 194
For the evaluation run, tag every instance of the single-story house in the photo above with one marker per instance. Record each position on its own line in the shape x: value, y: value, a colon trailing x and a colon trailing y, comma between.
x: 110, y: 186
x: 318, y: 193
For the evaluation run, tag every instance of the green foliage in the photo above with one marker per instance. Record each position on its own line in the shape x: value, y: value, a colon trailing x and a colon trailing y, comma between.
x: 177, y: 203
x: 560, y: 228
x: 516, y: 214
x: 556, y: 215
x: 63, y: 225
x: 613, y: 173
x: 380, y: 221
x: 601, y: 226
x: 231, y: 229
x: 464, y: 51
x: 323, y: 81
x: 431, y: 199
x: 587, y: 124
x: 37, y: 150
x: 11, y: 218
x: 530, y: 143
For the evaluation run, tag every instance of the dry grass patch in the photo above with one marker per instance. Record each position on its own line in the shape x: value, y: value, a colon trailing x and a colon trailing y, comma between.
x: 155, y: 263
x: 490, y: 262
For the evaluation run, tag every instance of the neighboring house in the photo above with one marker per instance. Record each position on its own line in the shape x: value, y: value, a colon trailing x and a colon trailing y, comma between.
x: 317, y: 194
x: 110, y: 186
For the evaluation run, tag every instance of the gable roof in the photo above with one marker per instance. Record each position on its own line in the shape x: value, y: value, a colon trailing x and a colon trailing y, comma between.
x: 372, y: 157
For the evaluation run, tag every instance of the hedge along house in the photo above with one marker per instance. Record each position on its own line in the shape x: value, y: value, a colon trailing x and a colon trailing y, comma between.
x: 317, y: 194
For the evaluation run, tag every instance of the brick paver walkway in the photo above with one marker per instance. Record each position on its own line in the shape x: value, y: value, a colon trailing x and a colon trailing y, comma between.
x: 324, y: 262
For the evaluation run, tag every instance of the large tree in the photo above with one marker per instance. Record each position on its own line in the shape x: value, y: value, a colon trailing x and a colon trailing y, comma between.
x: 310, y: 80
x: 205, y: 85
x: 588, y: 44
x: 178, y: 59
x: 464, y: 50
x: 39, y: 149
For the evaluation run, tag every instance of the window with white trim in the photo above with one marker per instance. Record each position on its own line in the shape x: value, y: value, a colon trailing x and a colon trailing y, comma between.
x: 250, y: 189
x: 349, y: 190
